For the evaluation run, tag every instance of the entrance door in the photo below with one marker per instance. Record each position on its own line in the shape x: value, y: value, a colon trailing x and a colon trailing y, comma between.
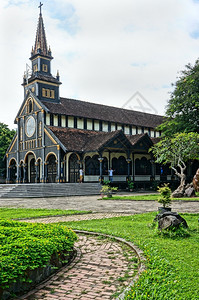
x: 32, y: 171
x: 73, y: 168
x: 52, y: 169
x: 13, y: 171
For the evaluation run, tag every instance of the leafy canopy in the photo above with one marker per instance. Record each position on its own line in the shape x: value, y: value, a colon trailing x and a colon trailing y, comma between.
x: 177, y: 150
x: 6, y: 136
x: 183, y: 107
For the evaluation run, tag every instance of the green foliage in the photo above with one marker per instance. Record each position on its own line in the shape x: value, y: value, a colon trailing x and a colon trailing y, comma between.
x: 26, y: 247
x: 183, y: 107
x: 149, y: 197
x: 172, y: 263
x: 24, y: 213
x: 6, y: 136
x: 106, y: 182
x: 180, y: 148
x: 108, y: 190
x: 130, y: 185
x: 165, y: 195
x: 174, y: 232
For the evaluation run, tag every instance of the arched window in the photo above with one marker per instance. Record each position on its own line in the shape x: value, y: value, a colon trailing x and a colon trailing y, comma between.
x: 122, y: 166
x: 142, y: 166
x: 92, y: 165
x: 30, y: 106
x: 115, y: 165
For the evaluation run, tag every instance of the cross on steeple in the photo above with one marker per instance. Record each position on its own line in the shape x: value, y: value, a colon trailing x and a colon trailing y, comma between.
x: 40, y: 7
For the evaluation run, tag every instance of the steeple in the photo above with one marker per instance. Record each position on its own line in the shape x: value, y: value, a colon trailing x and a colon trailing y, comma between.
x: 41, y: 82
x: 40, y: 41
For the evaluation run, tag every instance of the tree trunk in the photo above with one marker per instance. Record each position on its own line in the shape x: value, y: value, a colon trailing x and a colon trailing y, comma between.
x: 179, y: 192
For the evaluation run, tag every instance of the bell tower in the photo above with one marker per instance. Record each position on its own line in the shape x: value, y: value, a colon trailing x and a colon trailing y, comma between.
x: 38, y: 77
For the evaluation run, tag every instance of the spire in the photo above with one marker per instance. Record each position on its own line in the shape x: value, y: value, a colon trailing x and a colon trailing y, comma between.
x: 40, y: 41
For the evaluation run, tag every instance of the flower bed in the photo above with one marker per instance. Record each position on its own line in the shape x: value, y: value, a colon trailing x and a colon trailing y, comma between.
x: 28, y: 252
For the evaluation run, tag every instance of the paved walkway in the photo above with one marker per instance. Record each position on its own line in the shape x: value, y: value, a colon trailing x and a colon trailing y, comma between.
x: 102, y: 268
x: 92, y: 203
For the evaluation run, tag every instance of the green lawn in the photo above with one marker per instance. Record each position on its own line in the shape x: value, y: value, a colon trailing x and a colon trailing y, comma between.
x: 172, y: 263
x: 147, y: 197
x: 23, y: 213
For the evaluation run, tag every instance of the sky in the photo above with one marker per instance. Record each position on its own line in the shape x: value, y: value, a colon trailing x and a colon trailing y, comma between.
x: 124, y: 53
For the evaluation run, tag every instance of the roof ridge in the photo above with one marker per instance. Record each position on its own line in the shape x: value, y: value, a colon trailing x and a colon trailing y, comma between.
x: 104, y: 105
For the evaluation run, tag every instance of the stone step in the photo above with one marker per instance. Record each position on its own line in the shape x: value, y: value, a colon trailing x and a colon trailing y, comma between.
x: 49, y: 190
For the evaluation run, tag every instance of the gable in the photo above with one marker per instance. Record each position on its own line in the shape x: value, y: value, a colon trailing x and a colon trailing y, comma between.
x: 13, y: 145
x: 117, y: 142
x: 30, y: 104
x: 143, y: 144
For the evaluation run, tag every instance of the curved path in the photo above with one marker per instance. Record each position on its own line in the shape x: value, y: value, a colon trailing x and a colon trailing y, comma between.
x: 102, y: 268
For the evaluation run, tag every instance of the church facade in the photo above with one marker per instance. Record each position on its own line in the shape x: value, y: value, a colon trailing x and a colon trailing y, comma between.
x: 57, y: 136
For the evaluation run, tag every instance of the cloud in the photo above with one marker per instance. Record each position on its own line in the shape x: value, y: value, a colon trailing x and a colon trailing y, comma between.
x: 105, y: 50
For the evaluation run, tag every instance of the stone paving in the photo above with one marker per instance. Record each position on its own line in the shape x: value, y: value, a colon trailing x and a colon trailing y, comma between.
x: 92, y: 203
x: 102, y: 268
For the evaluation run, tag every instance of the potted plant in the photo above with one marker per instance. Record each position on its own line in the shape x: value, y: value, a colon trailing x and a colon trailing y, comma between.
x: 164, y: 197
x: 107, y: 190
x: 130, y: 185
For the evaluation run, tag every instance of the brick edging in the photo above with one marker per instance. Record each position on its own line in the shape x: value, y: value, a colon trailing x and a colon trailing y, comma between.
x: 138, y: 251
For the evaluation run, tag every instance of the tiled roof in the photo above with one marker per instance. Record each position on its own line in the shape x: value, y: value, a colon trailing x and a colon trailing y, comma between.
x: 95, y: 111
x: 44, y: 78
x: 84, y: 140
x: 81, y: 140
x: 135, y: 138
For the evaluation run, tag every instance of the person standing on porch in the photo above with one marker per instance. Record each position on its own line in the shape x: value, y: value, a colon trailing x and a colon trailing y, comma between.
x: 110, y: 174
x: 81, y: 175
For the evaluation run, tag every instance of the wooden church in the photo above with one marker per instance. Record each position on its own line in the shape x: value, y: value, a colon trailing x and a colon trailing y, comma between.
x: 57, y: 136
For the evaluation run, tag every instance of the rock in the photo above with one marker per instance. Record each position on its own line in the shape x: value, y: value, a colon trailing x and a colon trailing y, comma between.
x: 177, y: 194
x: 170, y: 219
x: 167, y: 222
x: 189, y: 192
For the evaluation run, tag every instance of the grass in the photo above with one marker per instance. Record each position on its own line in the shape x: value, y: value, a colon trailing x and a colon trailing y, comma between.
x: 151, y: 197
x: 24, y: 213
x: 172, y: 261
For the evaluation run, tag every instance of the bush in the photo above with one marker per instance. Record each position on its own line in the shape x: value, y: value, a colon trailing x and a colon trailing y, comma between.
x: 25, y: 247
x: 108, y: 190
x: 130, y: 185
x: 165, y: 195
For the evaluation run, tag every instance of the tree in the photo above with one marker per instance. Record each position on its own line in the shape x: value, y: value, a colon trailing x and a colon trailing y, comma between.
x: 6, y: 136
x: 176, y: 151
x: 182, y: 112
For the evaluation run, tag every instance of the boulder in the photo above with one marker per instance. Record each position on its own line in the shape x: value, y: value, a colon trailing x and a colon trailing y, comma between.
x: 189, y: 192
x: 177, y: 194
x: 170, y: 219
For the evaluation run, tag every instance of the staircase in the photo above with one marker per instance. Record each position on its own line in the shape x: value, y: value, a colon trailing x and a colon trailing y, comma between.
x: 41, y: 190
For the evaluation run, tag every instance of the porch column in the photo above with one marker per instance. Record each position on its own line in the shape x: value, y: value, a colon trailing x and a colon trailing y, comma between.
x: 8, y: 175
x: 58, y: 164
x: 128, y: 160
x: 101, y: 177
x: 133, y: 167
x: 36, y: 167
x: 46, y: 171
x: 62, y: 171
x: 25, y: 173
x: 19, y: 174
